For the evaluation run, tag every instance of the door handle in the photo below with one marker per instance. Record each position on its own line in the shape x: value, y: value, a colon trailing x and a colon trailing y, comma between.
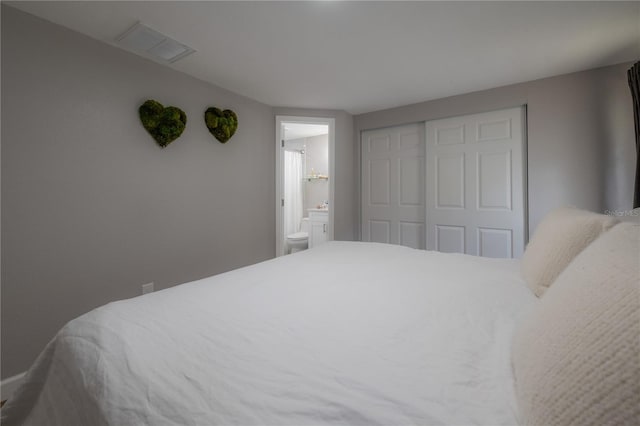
x: 324, y: 228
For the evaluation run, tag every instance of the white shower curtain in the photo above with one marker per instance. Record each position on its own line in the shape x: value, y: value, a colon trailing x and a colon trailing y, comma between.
x: 293, y: 196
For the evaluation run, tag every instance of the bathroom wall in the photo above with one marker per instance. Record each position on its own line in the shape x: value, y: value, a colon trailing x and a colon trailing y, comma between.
x: 317, y: 154
x: 294, y: 144
x: 316, y: 159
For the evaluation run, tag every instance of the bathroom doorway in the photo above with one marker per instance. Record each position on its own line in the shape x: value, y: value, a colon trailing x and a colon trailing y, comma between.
x: 304, y: 182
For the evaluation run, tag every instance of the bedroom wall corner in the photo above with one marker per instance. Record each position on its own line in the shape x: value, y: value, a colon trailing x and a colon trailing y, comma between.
x: 615, y: 113
x: 346, y: 214
x: 91, y: 207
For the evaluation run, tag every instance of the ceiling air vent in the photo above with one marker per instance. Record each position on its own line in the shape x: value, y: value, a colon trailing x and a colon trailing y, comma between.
x: 144, y: 40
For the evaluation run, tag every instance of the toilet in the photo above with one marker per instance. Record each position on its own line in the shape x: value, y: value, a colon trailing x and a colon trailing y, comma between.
x: 299, y: 240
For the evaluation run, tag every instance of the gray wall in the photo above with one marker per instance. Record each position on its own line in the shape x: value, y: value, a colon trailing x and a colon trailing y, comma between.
x: 92, y: 208
x: 581, y: 148
x: 346, y: 169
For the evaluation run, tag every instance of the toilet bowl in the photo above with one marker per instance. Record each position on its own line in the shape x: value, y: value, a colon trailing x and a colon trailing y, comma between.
x: 299, y: 240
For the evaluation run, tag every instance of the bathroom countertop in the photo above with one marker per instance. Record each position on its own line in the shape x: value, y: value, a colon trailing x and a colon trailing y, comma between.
x: 317, y: 210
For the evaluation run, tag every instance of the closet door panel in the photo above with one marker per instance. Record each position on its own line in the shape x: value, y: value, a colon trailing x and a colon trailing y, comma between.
x: 475, y: 184
x: 393, y: 185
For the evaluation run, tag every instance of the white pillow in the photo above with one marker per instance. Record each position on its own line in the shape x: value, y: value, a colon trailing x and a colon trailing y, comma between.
x: 560, y: 237
x: 576, y: 358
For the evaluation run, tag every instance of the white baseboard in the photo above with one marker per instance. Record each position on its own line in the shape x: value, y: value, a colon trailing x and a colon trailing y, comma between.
x: 9, y: 385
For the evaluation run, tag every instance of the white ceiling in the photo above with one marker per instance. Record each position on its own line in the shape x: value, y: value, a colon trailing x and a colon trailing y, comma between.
x: 366, y: 56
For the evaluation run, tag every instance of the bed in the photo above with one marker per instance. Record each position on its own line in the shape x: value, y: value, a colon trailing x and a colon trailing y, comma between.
x: 374, y: 334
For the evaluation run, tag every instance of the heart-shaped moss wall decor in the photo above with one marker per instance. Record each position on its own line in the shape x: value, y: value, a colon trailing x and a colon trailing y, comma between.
x: 221, y: 124
x: 164, y: 124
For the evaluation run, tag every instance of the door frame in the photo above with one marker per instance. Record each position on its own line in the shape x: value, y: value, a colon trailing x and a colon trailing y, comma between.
x: 280, y: 122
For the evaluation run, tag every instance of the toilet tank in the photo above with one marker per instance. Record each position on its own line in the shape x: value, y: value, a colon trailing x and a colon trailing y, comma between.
x: 304, y: 224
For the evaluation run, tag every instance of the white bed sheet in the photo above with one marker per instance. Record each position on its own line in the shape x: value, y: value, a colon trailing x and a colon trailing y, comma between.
x: 346, y: 333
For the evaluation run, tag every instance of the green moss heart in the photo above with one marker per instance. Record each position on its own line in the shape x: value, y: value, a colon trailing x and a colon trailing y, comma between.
x: 221, y: 124
x: 164, y: 124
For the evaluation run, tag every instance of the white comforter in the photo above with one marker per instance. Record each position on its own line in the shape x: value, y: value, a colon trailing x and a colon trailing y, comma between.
x: 346, y: 333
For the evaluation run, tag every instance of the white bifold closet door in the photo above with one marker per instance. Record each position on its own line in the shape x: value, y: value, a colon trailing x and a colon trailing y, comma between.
x: 393, y: 185
x: 475, y: 184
